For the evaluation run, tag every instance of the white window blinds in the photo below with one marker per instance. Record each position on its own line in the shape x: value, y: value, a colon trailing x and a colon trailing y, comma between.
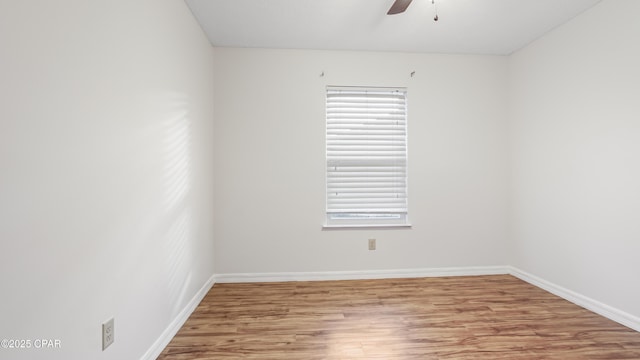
x: 366, y: 156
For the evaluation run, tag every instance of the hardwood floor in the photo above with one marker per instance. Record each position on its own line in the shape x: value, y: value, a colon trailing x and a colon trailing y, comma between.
x: 479, y: 317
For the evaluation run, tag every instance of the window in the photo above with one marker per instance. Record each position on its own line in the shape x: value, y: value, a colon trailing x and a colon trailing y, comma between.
x: 366, y: 145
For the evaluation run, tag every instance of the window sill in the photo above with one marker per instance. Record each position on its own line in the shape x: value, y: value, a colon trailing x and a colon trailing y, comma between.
x: 365, y: 226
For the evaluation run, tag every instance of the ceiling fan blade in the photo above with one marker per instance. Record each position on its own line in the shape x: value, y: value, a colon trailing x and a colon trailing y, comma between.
x: 399, y: 6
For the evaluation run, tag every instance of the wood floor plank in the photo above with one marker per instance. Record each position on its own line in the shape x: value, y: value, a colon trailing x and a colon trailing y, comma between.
x: 450, y: 318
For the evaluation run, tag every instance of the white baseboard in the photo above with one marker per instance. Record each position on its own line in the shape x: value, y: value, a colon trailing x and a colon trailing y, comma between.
x: 360, y: 275
x: 597, y: 307
x: 167, y: 335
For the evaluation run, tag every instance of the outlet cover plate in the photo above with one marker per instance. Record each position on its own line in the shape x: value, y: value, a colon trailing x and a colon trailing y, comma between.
x: 372, y: 244
x: 107, y: 334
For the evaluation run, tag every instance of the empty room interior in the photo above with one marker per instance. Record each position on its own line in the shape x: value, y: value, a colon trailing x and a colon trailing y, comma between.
x: 158, y: 155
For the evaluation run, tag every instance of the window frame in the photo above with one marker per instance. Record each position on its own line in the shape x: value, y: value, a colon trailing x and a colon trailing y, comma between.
x: 372, y: 217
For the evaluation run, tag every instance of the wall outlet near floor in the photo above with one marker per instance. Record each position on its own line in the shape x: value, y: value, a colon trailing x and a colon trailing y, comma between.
x: 107, y: 334
x: 372, y: 244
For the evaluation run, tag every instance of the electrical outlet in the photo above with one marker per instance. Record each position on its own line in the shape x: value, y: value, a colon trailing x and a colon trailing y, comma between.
x: 372, y: 244
x: 107, y: 334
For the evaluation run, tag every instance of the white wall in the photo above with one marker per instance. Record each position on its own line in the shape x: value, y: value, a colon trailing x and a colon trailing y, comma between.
x: 107, y: 152
x: 269, y: 159
x: 575, y: 135
x: 105, y: 172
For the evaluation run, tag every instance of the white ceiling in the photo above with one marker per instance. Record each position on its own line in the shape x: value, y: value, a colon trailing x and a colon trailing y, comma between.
x: 497, y: 27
